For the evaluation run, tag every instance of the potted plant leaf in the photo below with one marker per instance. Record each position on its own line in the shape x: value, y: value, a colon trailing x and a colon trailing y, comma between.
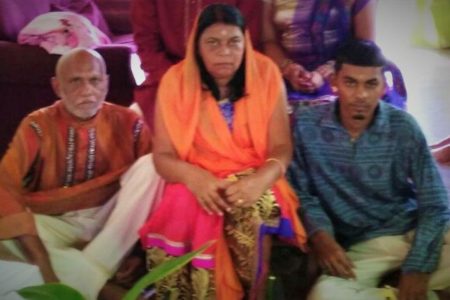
x: 59, y: 291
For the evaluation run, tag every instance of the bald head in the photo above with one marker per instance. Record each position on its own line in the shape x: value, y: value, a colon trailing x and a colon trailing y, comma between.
x: 81, y: 82
x: 79, y: 55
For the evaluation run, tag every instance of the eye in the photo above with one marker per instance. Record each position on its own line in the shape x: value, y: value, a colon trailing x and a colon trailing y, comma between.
x: 372, y: 84
x: 350, y: 83
x: 212, y: 42
x: 235, y: 41
x: 75, y: 81
x: 95, y: 81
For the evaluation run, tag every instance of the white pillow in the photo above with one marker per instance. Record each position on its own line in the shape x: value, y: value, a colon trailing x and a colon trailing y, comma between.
x: 58, y: 32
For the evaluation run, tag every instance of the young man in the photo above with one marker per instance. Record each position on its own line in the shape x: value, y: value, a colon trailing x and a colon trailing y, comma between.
x: 372, y: 198
x: 76, y: 184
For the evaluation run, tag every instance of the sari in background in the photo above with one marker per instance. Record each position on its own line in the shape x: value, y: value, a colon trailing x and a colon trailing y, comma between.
x: 311, y: 32
x: 201, y: 134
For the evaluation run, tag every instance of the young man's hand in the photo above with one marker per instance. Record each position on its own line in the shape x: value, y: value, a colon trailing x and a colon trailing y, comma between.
x: 331, y: 256
x: 413, y: 286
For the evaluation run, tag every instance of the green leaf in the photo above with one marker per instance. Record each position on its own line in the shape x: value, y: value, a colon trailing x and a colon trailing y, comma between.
x: 50, y: 291
x: 162, y: 271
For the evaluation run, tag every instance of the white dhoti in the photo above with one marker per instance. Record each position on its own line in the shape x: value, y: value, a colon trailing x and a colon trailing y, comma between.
x: 372, y: 260
x: 16, y: 275
x: 87, y: 246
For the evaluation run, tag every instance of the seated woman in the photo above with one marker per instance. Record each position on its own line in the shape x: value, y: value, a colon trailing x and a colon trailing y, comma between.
x: 303, y: 37
x: 222, y: 143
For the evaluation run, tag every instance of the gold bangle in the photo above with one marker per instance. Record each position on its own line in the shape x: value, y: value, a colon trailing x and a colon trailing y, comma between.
x: 282, y: 166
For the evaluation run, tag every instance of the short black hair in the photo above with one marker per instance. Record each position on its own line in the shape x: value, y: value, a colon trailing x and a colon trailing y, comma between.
x: 359, y: 52
x: 230, y: 15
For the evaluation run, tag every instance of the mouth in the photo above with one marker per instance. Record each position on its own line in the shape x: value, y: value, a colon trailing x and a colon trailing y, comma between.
x: 224, y: 65
x: 87, y: 103
x: 359, y: 117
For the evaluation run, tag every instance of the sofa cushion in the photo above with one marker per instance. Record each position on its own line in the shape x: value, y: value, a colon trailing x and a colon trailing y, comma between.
x: 86, y: 8
x: 26, y: 64
x: 60, y: 31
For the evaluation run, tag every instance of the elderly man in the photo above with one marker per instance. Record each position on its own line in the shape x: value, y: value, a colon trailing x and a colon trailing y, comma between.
x: 372, y: 198
x: 75, y: 185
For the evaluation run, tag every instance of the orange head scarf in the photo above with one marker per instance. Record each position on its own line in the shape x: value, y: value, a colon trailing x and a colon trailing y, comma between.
x: 180, y: 94
x: 192, y: 119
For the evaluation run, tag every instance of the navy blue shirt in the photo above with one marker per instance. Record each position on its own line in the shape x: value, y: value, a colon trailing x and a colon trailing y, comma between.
x: 383, y: 183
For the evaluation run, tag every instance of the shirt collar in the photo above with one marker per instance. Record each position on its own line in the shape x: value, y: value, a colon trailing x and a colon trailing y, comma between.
x: 380, y: 123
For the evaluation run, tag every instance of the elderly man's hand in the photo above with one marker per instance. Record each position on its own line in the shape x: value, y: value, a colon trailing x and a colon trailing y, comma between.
x: 48, y: 274
x: 413, y: 286
x: 331, y: 256
x: 37, y: 255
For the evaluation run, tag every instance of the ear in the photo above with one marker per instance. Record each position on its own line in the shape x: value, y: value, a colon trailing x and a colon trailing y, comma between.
x: 55, y: 85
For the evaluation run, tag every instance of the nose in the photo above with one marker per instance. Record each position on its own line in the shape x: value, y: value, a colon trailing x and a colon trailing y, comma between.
x: 361, y: 92
x: 224, y: 50
x: 86, y: 87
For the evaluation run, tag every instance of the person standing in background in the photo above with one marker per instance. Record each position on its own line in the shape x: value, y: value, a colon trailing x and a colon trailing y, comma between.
x: 302, y: 37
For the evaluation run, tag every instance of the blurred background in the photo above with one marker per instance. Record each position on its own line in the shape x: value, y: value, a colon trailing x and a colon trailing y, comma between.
x: 407, y: 32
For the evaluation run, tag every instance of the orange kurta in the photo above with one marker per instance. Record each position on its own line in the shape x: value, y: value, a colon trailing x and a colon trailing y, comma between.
x: 57, y: 164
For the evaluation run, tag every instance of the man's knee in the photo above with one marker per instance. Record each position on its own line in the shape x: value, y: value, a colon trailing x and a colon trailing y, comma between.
x: 325, y: 288
x: 334, y: 288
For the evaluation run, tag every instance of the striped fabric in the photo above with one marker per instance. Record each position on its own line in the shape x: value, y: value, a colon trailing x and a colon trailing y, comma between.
x: 383, y: 183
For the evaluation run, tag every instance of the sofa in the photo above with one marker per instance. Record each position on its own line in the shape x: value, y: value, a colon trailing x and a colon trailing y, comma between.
x: 25, y: 70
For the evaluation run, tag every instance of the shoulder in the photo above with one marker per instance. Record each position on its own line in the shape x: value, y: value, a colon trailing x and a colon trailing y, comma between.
x: 402, y: 126
x: 120, y: 119
x: 398, y: 118
x: 312, y: 120
x: 173, y: 76
x: 313, y: 115
x: 41, y: 118
x: 176, y: 70
x: 263, y: 62
x: 118, y: 113
x: 44, y: 112
x: 36, y: 125
x: 265, y: 71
